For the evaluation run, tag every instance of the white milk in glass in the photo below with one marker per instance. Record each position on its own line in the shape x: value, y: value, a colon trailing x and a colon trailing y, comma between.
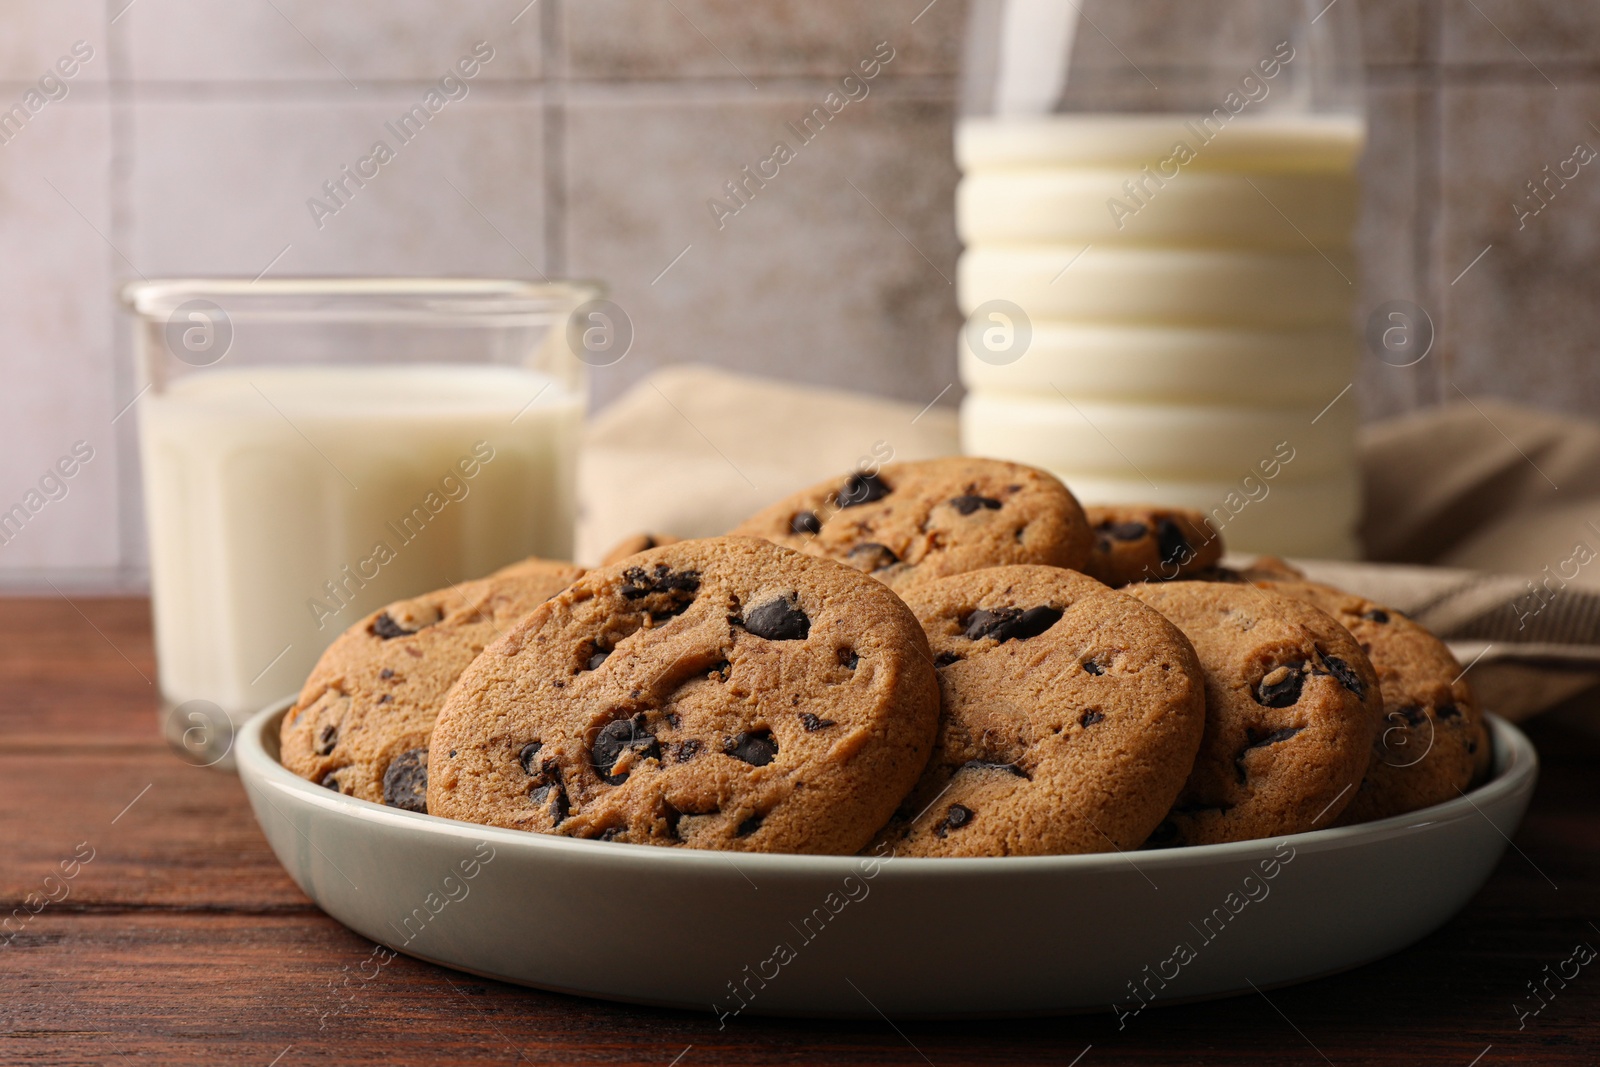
x: 284, y: 503
x: 1189, y: 286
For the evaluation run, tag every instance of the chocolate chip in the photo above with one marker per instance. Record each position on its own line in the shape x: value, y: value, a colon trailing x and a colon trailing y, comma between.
x: 687, y: 750
x: 813, y: 724
x: 862, y: 488
x: 1257, y: 739
x: 1281, y: 687
x: 848, y: 658
x: 1174, y: 546
x: 1089, y: 718
x: 749, y: 826
x: 805, y: 522
x: 331, y: 781
x: 1093, y: 667
x: 1447, y: 711
x: 386, y: 674
x: 1412, y: 715
x: 956, y: 817
x: 385, y: 698
x: 596, y: 659
x: 525, y: 757
x: 1127, y: 531
x: 967, y: 503
x: 553, y: 798
x: 991, y: 765
x: 944, y: 659
x: 757, y: 749
x: 326, y: 739
x: 612, y: 833
x: 1347, y: 675
x: 385, y: 627
x: 1376, y: 615
x: 679, y: 587
x: 617, y: 737
x: 405, y: 782
x: 872, y: 557
x: 778, y: 620
x: 1006, y: 624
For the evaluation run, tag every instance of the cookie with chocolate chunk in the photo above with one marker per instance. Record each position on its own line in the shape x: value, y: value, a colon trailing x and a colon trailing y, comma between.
x: 1145, y: 543
x: 1432, y: 741
x: 1292, y: 707
x: 363, y: 719
x: 910, y: 522
x: 632, y: 546
x: 723, y: 694
x: 1071, y: 716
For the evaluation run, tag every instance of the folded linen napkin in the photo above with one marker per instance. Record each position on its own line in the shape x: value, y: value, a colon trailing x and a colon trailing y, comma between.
x: 1483, y: 519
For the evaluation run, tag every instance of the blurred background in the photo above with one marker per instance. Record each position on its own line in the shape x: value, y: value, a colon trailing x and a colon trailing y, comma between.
x: 194, y: 138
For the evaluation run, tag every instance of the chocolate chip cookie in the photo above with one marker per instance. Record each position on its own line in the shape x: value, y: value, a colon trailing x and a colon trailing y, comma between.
x: 1071, y: 716
x: 362, y: 721
x: 724, y: 693
x: 1432, y: 740
x: 910, y: 522
x: 632, y: 546
x: 1144, y: 543
x: 1292, y: 707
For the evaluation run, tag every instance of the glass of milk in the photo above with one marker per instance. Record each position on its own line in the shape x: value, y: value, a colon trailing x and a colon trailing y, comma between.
x: 315, y: 448
x: 1158, y: 203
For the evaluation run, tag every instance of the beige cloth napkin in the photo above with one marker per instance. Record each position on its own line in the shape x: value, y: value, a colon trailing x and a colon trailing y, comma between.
x: 1483, y: 519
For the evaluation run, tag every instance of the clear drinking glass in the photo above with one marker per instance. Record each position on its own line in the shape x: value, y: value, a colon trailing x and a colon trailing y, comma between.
x: 315, y: 448
x: 1158, y: 205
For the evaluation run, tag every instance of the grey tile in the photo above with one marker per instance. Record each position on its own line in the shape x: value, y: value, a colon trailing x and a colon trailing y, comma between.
x: 295, y: 40
x: 1521, y: 32
x: 1393, y: 32
x: 38, y: 35
x: 55, y: 340
x: 1387, y: 240
x: 653, y: 39
x: 1520, y: 323
x: 812, y: 280
x: 222, y: 187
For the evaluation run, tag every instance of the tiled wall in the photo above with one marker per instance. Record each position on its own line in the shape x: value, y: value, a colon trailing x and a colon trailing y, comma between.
x: 589, y: 146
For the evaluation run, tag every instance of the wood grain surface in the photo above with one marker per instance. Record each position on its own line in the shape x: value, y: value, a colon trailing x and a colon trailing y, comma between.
x: 182, y: 941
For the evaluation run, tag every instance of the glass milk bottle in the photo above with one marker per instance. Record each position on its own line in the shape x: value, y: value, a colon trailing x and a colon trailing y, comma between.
x: 1157, y: 205
x: 315, y: 448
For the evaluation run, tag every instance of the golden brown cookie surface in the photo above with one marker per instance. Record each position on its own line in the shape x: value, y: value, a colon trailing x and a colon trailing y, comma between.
x: 1292, y: 707
x: 911, y: 522
x: 1071, y: 716
x: 724, y: 693
x: 362, y: 721
x: 1146, y: 543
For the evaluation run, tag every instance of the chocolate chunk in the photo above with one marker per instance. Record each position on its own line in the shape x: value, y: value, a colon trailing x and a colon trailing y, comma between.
x: 553, y: 798
x: 1346, y: 674
x: 612, y: 833
x: 813, y: 724
x: 805, y: 522
x: 721, y: 670
x: 1006, y: 624
x: 778, y: 620
x: 405, y: 782
x: 679, y: 587
x: 687, y: 750
x: 757, y: 748
x: 967, y: 503
x: 749, y: 826
x: 991, y: 765
x: 944, y: 659
x: 1447, y: 711
x: 326, y: 739
x: 872, y: 557
x: 385, y: 627
x: 1258, y: 739
x: 386, y: 674
x: 617, y: 737
x: 1174, y: 546
x: 862, y: 488
x: 331, y: 781
x: 956, y: 817
x: 525, y: 757
x: 1376, y: 615
x: 1093, y: 667
x: 1412, y: 715
x: 1281, y: 687
x: 848, y: 658
x: 1127, y: 531
x: 385, y: 698
x: 596, y: 659
x: 1089, y: 718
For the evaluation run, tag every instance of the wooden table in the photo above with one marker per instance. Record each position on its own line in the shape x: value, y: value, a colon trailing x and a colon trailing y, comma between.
x: 182, y: 940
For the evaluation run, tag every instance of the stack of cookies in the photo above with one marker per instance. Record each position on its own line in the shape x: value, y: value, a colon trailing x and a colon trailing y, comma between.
x: 946, y: 658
